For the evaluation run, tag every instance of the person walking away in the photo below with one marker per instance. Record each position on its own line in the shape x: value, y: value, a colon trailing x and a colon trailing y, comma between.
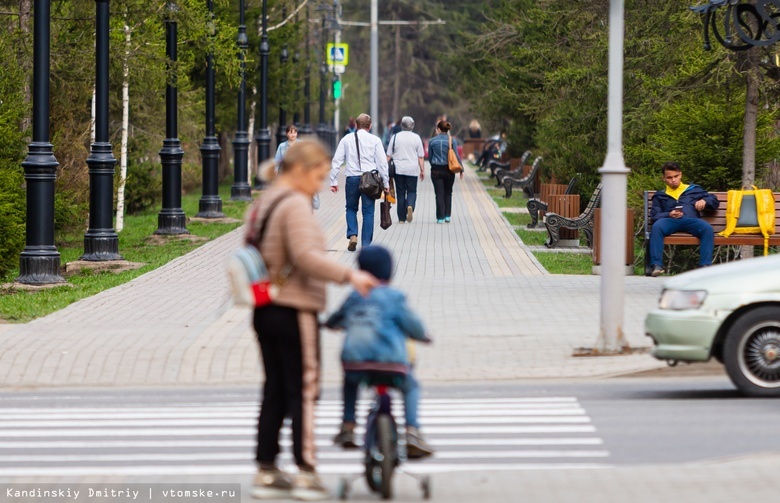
x: 406, y: 151
x: 443, y: 179
x: 475, y: 130
x: 287, y: 329
x: 362, y: 152
x: 676, y: 209
x: 377, y: 329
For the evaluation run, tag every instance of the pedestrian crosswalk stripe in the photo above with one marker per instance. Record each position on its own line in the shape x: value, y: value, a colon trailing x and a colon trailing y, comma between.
x: 198, y: 413
x: 185, y: 432
x: 354, y: 456
x: 249, y: 442
x: 247, y: 469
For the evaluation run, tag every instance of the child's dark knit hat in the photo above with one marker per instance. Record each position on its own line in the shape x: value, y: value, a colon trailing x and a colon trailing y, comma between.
x: 376, y: 260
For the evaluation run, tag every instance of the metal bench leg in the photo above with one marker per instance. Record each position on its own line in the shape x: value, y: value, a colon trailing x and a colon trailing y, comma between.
x: 589, y: 234
x: 508, y: 188
x: 552, y: 235
x: 534, y: 205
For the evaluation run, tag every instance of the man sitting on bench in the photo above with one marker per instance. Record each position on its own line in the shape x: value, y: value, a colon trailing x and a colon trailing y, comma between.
x: 676, y: 209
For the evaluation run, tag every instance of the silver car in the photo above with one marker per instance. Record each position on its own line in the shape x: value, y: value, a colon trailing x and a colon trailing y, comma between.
x: 730, y: 312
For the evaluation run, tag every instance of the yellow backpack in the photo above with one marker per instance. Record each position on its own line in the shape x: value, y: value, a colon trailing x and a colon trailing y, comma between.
x: 750, y: 212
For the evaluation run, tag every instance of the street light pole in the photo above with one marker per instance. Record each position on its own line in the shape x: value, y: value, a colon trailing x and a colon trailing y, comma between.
x: 613, y: 205
x: 39, y: 262
x: 296, y: 114
x: 375, y: 65
x: 306, y: 126
x: 210, y: 204
x: 171, y: 220
x: 263, y: 137
x: 281, y: 134
x: 101, y: 242
x: 240, y: 190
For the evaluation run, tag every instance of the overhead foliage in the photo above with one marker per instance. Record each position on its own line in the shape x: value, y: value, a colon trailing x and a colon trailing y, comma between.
x: 541, y: 70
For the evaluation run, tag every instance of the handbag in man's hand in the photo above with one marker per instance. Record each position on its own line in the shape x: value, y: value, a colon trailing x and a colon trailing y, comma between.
x: 371, y: 184
x: 385, y: 220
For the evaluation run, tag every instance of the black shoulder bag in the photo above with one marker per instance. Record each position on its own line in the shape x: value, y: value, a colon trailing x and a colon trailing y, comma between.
x: 371, y: 183
x: 391, y: 163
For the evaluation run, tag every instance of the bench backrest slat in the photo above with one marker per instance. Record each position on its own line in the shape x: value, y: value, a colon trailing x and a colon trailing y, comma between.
x: 595, y: 199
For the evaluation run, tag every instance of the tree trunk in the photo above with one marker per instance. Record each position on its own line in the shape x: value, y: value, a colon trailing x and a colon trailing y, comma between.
x: 120, y: 193
x: 25, y: 7
x: 251, y: 132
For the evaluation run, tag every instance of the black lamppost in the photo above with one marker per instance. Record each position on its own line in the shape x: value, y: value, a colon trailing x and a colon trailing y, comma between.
x: 39, y: 262
x: 240, y: 190
x: 101, y: 241
x: 171, y: 220
x: 306, y: 126
x: 263, y: 138
x: 210, y: 204
x: 296, y: 114
x: 281, y: 134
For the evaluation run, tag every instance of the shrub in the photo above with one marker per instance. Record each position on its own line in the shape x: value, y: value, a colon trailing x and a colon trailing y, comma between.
x: 144, y: 186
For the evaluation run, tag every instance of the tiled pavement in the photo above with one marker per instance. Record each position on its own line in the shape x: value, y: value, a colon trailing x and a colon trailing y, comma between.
x: 492, y: 309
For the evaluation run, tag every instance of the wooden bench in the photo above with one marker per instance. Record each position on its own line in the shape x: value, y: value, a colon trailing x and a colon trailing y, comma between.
x: 513, y: 167
x: 536, y: 205
x: 715, y: 218
x: 526, y: 183
x: 584, y: 222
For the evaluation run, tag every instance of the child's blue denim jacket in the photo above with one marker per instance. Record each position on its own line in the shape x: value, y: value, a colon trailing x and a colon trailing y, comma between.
x: 377, y: 326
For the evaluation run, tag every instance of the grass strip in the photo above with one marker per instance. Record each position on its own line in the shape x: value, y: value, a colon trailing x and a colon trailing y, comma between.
x: 135, y: 245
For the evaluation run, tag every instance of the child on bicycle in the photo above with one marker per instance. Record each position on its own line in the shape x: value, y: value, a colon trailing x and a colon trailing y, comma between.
x: 377, y: 328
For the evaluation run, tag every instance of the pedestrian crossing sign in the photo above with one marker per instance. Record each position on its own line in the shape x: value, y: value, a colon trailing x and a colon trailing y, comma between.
x: 338, y: 54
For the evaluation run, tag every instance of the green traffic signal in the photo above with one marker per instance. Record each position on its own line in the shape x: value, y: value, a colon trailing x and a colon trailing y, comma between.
x: 337, y: 89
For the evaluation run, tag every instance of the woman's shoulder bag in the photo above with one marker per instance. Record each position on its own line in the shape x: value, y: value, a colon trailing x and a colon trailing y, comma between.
x: 452, y: 158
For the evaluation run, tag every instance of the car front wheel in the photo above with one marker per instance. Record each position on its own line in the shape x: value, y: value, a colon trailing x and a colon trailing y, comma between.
x: 752, y: 352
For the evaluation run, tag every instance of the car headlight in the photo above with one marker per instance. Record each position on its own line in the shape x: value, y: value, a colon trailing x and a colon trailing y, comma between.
x: 679, y: 300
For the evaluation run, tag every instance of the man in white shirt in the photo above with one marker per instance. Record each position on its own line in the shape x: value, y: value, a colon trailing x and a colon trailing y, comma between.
x: 406, y: 150
x: 372, y: 157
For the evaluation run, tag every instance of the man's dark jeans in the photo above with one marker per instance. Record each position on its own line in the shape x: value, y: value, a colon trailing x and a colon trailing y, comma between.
x: 694, y: 226
x: 355, y: 198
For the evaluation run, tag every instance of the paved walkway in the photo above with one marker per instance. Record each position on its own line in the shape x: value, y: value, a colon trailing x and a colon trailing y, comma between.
x: 492, y: 309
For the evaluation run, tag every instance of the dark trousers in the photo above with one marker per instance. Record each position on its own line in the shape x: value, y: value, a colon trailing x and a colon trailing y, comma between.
x: 284, y: 394
x: 694, y: 226
x: 443, y: 179
x: 405, y: 194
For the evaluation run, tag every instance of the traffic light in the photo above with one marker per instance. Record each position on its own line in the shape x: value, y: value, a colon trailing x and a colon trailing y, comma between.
x: 336, y: 89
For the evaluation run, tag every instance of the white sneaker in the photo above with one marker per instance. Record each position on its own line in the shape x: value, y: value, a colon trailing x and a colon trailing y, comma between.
x: 271, y: 485
x: 309, y: 487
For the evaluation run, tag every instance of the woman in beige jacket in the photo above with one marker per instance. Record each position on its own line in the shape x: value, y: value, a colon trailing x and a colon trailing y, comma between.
x: 293, y: 248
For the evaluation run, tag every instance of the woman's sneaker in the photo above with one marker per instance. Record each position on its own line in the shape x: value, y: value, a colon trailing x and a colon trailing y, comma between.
x: 409, y: 214
x: 309, y: 487
x: 271, y: 484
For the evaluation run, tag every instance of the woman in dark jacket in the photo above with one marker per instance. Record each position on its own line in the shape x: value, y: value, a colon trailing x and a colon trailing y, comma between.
x: 443, y: 179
